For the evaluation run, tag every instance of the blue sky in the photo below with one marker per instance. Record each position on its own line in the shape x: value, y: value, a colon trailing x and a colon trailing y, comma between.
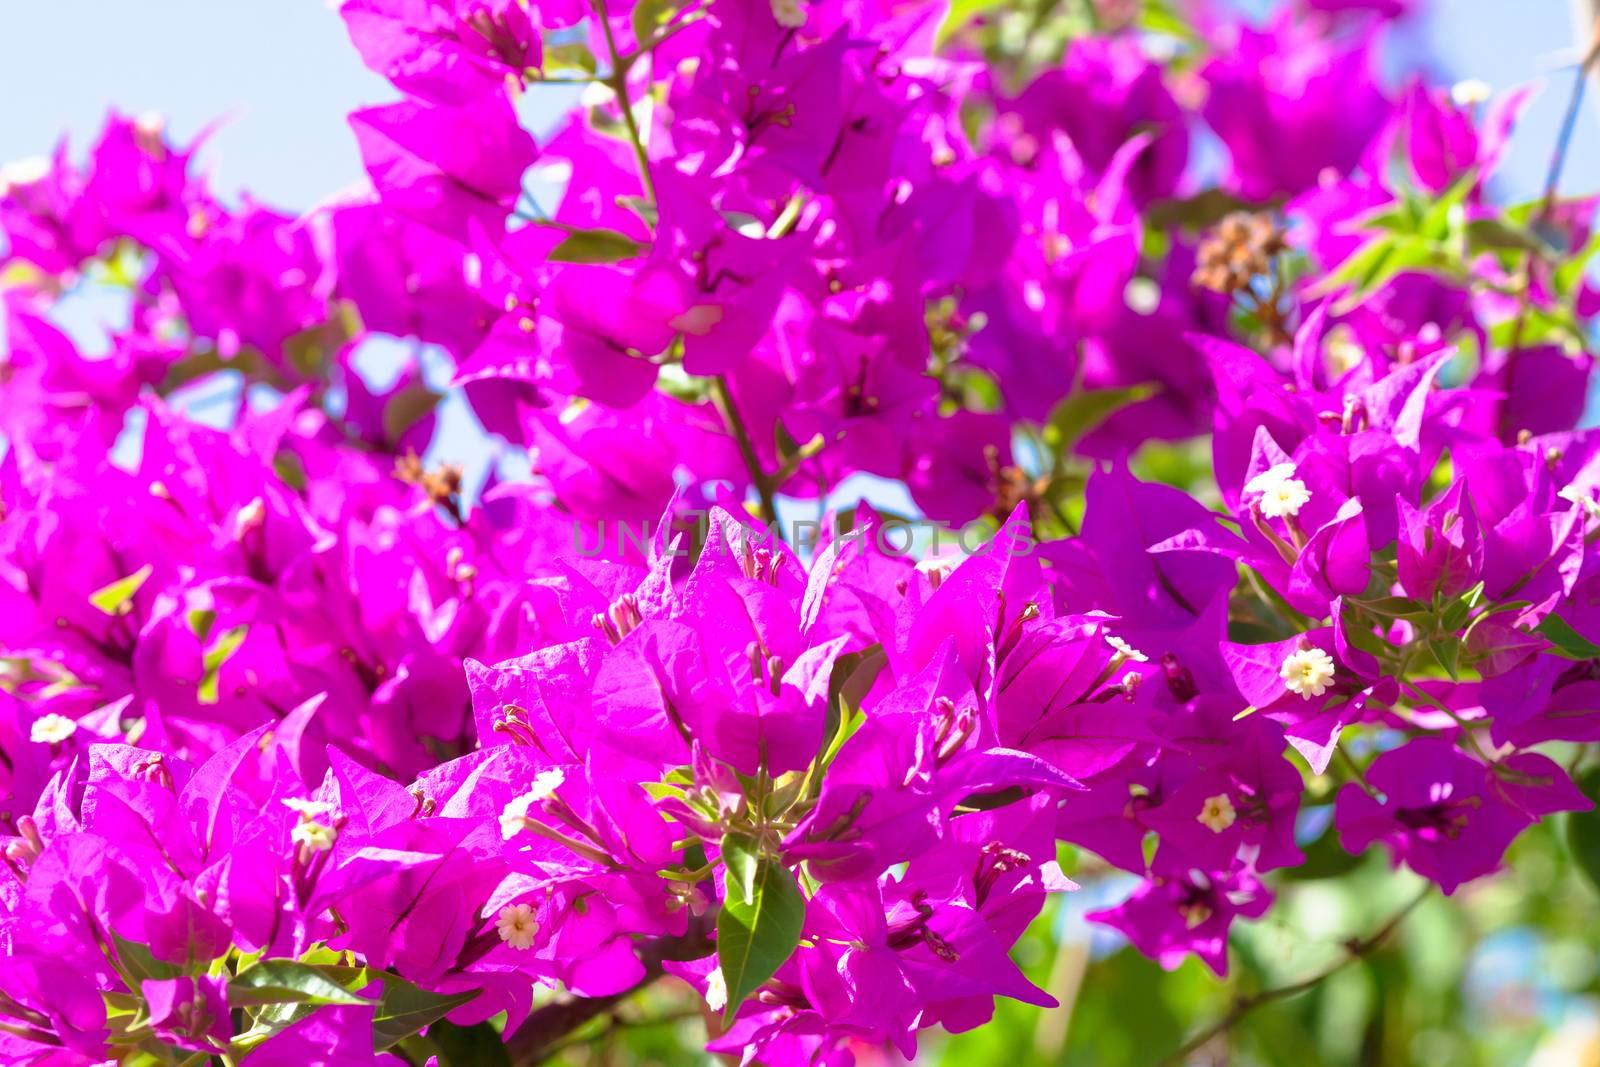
x: 283, y: 75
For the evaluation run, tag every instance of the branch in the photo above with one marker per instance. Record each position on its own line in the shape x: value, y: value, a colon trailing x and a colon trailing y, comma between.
x: 1547, y: 206
x: 542, y: 1034
x: 618, y: 81
x: 1356, y: 949
x: 722, y: 396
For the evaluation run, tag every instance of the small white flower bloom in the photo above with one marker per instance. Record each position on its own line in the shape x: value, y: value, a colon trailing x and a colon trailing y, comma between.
x: 308, y: 810
x: 515, y: 815
x: 1125, y: 650
x: 716, y: 990
x: 1470, y: 91
x: 52, y: 729
x: 1217, y: 813
x: 1307, y: 671
x: 1285, y: 499
x: 1142, y: 296
x: 1281, y: 493
x: 1270, y: 477
x: 249, y: 517
x: 789, y: 13
x: 938, y: 568
x: 545, y: 783
x: 1574, y: 495
x: 313, y: 835
x: 517, y: 926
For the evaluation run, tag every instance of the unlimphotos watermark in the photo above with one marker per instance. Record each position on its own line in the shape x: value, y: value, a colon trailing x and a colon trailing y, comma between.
x: 689, y: 531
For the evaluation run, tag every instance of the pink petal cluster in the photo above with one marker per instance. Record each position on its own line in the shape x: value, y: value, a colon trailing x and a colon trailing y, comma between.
x: 297, y: 725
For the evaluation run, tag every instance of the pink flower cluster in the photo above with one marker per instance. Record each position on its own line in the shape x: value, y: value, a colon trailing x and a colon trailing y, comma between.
x: 310, y: 752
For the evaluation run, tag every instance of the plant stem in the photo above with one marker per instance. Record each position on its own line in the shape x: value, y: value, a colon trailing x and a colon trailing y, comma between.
x: 618, y: 81
x: 1461, y: 724
x: 1354, y: 950
x: 1547, y: 205
x: 722, y: 396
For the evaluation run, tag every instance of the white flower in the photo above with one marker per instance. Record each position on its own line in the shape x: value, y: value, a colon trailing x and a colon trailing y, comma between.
x: 1307, y: 671
x: 515, y: 815
x: 51, y: 729
x: 1470, y: 91
x: 716, y: 990
x: 1125, y: 650
x: 1572, y: 494
x: 1217, y: 813
x: 248, y: 518
x: 789, y: 13
x: 517, y: 926
x: 1280, y: 492
x: 938, y: 568
x: 1269, y: 477
x: 308, y: 810
x: 313, y: 835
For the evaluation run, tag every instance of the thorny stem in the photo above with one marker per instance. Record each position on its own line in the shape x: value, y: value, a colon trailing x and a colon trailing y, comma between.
x: 1356, y: 949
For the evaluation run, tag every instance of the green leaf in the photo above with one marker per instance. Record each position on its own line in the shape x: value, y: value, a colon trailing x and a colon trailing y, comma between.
x: 406, y: 408
x: 1376, y: 262
x: 853, y: 677
x: 1459, y: 610
x: 1567, y: 641
x: 279, y: 981
x: 200, y: 622
x: 117, y: 598
x: 594, y: 246
x: 1360, y: 267
x: 1444, y: 213
x: 1085, y: 409
x: 1199, y: 212
x: 741, y: 855
x: 1494, y: 234
x: 572, y: 56
x: 647, y: 212
x: 138, y: 961
x: 216, y: 656
x: 960, y: 13
x: 468, y: 1046
x: 404, y: 1009
x: 1447, y: 650
x: 291, y: 470
x: 759, y: 926
x: 1571, y: 271
x: 1394, y: 607
x: 1583, y: 830
x: 648, y: 17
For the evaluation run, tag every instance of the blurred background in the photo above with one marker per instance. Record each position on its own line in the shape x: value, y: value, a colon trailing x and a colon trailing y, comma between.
x: 1505, y: 973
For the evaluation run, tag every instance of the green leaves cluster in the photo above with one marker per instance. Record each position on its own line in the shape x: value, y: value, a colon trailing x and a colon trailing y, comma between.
x: 269, y: 995
x: 761, y: 919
